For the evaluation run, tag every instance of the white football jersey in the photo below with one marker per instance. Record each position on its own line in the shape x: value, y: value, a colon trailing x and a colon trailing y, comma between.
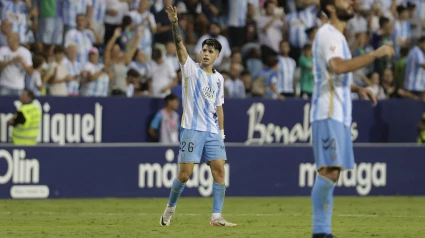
x: 332, y: 93
x: 202, y: 93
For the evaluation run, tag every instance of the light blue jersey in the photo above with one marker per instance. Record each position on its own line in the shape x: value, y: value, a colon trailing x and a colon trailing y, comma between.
x: 286, y: 72
x: 415, y: 73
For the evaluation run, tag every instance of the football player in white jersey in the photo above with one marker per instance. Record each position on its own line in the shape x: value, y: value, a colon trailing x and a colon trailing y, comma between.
x: 202, y: 124
x: 331, y: 107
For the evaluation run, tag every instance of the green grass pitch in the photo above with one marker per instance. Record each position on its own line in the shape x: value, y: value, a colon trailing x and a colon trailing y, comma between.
x: 263, y: 217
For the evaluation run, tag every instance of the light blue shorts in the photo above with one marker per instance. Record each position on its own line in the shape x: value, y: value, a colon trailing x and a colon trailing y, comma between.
x: 332, y: 144
x: 51, y: 31
x: 194, y: 144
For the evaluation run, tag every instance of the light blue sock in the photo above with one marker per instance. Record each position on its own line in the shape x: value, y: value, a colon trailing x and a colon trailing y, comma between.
x: 322, y: 198
x: 219, y: 191
x: 175, y: 192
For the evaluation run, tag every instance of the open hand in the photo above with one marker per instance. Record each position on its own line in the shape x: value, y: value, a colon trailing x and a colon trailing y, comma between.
x: 172, y: 14
x: 366, y: 93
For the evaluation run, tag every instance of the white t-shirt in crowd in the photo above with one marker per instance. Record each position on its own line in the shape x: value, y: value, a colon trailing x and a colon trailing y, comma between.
x: 162, y: 75
x: 13, y: 75
x: 121, y: 8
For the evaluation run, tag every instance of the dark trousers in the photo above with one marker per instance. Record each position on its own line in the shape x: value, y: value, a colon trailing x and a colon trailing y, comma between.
x: 236, y: 36
x: 266, y: 52
x: 109, y: 32
x: 295, y: 53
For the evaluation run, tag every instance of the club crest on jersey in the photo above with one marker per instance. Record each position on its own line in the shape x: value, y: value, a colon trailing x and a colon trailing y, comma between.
x: 208, y: 93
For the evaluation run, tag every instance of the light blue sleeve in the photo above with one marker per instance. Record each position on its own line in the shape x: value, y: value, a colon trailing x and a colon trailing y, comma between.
x: 156, y: 121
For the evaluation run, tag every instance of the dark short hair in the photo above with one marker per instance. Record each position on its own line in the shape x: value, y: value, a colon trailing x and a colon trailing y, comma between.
x: 383, y: 21
x: 126, y: 21
x: 307, y: 47
x: 324, y: 4
x: 401, y: 8
x: 271, y: 61
x: 267, y: 3
x: 37, y: 61
x: 156, y: 54
x: 245, y: 72
x: 170, y: 97
x: 59, y: 49
x: 30, y: 94
x: 213, y: 43
x: 404, y: 51
x: 133, y: 73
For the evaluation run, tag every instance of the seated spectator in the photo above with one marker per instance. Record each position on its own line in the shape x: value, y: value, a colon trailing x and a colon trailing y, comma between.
x: 97, y: 77
x: 177, y: 90
x: 247, y: 81
x: 235, y: 58
x: 164, y: 127
x: 376, y: 88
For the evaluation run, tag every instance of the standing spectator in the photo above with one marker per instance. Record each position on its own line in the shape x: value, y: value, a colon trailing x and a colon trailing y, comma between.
x: 270, y: 30
x: 51, y: 22
x: 71, y: 10
x: 247, y: 81
x: 97, y: 77
x: 166, y: 122
x: 234, y: 84
x: 238, y: 10
x: 402, y: 32
x: 117, y: 61
x: 251, y: 25
x: 97, y: 22
x: 420, y: 9
x: 83, y: 37
x: 144, y: 21
x: 297, y: 23
x: 5, y: 29
x: 307, y: 78
x: 75, y: 70
x: 235, y: 58
x: 163, y: 76
x: 417, y: 25
x: 141, y: 65
x: 400, y: 67
x: 163, y: 32
x: 270, y: 79
x: 380, y: 38
x: 15, y: 62
x: 171, y: 55
x: 127, y: 36
x: 214, y: 32
x: 286, y: 69
x: 115, y: 11
x: 38, y: 83
x: 57, y: 84
x: 361, y: 47
x: 356, y: 24
x: 16, y: 12
x: 415, y: 69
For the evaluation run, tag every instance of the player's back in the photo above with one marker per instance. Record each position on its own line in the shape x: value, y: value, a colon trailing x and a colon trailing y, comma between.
x: 332, y: 93
x: 202, y: 93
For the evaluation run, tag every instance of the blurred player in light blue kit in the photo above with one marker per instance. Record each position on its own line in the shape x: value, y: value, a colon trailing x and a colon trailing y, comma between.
x: 202, y: 123
x: 332, y: 106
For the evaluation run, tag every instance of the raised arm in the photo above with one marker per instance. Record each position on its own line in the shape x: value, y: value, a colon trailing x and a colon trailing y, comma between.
x: 178, y: 39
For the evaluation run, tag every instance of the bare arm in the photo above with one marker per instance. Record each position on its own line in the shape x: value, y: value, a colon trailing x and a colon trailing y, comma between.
x: 407, y: 94
x: 220, y: 115
x: 340, y: 66
x: 178, y: 39
x: 152, y: 133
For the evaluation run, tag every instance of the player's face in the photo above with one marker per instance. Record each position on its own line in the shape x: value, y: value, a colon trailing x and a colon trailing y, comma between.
x: 208, y: 55
x: 344, y: 9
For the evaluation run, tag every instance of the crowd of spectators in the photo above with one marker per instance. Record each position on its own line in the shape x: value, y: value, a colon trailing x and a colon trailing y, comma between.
x: 125, y: 47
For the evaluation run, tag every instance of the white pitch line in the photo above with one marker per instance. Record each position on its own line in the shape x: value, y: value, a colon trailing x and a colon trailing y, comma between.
x: 195, y: 214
